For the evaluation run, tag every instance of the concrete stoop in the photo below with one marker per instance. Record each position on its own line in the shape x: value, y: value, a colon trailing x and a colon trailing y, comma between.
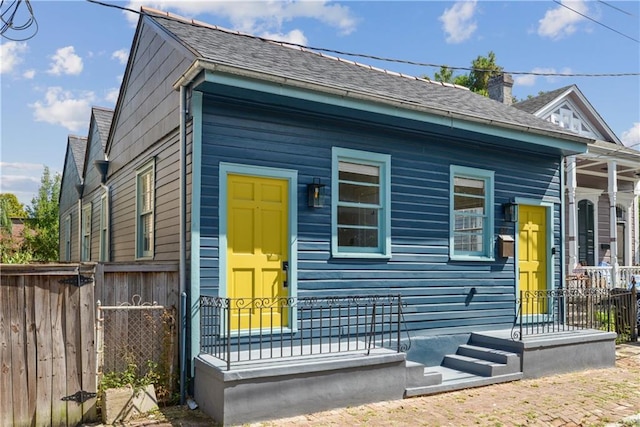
x: 473, y: 365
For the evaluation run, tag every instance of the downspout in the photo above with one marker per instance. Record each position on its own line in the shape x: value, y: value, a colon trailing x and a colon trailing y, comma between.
x: 107, y: 245
x: 183, y: 240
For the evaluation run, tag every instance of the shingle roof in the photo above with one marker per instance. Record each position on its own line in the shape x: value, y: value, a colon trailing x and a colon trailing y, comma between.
x: 534, y: 104
x: 78, y: 146
x: 103, y: 118
x: 251, y: 53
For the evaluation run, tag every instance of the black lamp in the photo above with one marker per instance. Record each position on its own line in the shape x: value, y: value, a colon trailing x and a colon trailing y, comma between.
x: 510, y: 210
x: 315, y: 193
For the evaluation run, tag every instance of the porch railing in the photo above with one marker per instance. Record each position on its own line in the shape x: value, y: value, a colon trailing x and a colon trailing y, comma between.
x: 243, y: 329
x: 571, y: 309
x: 606, y: 276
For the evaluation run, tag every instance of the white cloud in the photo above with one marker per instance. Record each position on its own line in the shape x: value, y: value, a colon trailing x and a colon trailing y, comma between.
x: 29, y: 74
x: 10, y: 55
x: 294, y: 36
x: 261, y: 18
x: 63, y: 108
x: 458, y: 23
x: 21, y: 179
x: 631, y: 137
x: 531, y: 79
x: 65, y: 61
x: 560, y: 22
x: 121, y: 55
x: 112, y: 95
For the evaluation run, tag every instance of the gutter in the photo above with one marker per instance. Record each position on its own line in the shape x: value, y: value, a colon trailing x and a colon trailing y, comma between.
x: 201, y: 64
x: 182, y: 315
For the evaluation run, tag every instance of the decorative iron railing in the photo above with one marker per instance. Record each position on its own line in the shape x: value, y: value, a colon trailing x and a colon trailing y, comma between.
x: 244, y: 329
x: 570, y: 309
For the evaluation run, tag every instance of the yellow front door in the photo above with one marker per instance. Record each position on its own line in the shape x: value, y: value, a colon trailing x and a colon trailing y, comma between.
x: 257, y: 248
x: 532, y: 256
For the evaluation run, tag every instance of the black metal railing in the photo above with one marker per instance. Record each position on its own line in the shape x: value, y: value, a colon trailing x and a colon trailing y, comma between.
x: 559, y: 310
x: 244, y: 329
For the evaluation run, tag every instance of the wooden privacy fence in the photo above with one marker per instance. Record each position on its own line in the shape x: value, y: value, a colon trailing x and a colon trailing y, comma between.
x: 47, y: 345
x: 48, y: 353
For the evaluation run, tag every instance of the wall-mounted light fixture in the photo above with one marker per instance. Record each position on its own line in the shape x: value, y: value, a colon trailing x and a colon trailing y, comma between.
x: 103, y: 167
x: 510, y: 211
x: 315, y: 193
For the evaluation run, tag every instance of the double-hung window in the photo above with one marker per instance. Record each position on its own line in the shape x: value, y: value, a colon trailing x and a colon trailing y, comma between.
x: 361, y: 204
x: 145, y: 201
x: 104, y: 229
x: 85, y: 242
x: 471, y: 215
x: 67, y: 238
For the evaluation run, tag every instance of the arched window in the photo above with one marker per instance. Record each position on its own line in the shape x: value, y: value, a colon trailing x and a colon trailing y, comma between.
x: 621, y: 224
x: 586, y: 235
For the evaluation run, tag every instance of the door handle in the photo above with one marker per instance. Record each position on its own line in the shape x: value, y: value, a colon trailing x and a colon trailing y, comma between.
x: 285, y: 273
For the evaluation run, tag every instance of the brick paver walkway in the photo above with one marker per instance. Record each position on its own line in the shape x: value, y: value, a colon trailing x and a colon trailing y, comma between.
x: 586, y: 398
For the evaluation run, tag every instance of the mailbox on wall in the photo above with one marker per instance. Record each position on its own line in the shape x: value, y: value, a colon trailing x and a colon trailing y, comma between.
x: 506, y: 246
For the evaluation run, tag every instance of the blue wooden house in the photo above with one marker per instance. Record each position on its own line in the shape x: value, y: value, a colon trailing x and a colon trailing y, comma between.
x: 296, y: 189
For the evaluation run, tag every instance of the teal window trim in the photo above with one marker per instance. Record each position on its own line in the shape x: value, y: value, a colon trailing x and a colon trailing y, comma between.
x: 144, y: 212
x: 104, y: 229
x: 487, y: 251
x: 85, y: 238
x: 364, y: 158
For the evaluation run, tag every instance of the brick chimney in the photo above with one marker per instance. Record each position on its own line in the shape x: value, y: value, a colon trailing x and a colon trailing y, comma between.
x: 499, y: 88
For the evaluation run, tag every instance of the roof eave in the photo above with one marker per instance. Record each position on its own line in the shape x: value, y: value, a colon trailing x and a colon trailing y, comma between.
x: 202, y: 64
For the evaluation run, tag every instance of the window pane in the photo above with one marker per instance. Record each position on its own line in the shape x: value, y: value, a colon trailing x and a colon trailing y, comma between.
x: 147, y: 232
x: 468, y: 242
x: 359, y: 193
x: 468, y: 204
x: 357, y: 216
x: 358, y: 237
x: 468, y: 186
x: 359, y: 172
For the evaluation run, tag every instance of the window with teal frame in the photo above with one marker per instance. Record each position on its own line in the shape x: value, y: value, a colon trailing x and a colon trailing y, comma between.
x: 361, y: 204
x: 145, y: 210
x: 471, y: 214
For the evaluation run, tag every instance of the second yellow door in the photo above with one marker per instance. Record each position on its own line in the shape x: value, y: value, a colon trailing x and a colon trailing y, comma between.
x: 257, y: 250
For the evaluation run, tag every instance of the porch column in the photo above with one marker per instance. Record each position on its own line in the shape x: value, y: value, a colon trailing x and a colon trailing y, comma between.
x: 573, y: 213
x: 613, y: 226
x: 636, y: 218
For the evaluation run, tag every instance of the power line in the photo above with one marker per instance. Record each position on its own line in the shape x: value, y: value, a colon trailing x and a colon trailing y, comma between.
x: 616, y: 8
x: 8, y: 15
x: 596, y: 21
x: 375, y: 57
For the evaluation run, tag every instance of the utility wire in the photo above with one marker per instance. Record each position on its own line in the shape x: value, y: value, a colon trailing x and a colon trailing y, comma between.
x: 616, y: 8
x: 596, y: 21
x: 8, y: 14
x: 374, y: 57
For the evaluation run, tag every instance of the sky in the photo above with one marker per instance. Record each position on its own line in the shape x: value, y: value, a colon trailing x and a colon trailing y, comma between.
x: 77, y: 57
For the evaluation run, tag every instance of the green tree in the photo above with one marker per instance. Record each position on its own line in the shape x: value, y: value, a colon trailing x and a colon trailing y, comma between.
x: 10, y: 207
x: 483, y: 68
x: 41, y: 226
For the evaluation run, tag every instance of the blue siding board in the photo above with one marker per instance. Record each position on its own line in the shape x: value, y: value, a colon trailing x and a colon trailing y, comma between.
x: 434, y: 287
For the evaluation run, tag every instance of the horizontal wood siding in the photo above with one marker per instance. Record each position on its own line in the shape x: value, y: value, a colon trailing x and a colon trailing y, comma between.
x: 604, y: 229
x: 146, y: 127
x: 435, y: 288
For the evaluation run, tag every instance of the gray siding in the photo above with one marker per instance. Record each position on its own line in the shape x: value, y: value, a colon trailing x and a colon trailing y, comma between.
x: 434, y: 287
x: 146, y: 126
x: 69, y: 204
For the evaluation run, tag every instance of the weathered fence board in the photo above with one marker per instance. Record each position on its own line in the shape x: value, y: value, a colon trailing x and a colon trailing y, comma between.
x: 48, y: 349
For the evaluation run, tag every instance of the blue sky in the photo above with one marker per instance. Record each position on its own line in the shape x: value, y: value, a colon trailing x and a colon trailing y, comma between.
x: 77, y: 58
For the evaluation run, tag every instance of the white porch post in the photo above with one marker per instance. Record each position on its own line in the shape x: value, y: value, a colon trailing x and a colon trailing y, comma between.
x: 573, y: 213
x: 635, y: 208
x: 613, y: 226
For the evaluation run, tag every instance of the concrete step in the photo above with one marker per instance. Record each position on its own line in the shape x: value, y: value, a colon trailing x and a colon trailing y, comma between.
x: 453, y: 379
x: 473, y: 365
x: 500, y: 340
x: 491, y: 354
x: 419, y: 376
